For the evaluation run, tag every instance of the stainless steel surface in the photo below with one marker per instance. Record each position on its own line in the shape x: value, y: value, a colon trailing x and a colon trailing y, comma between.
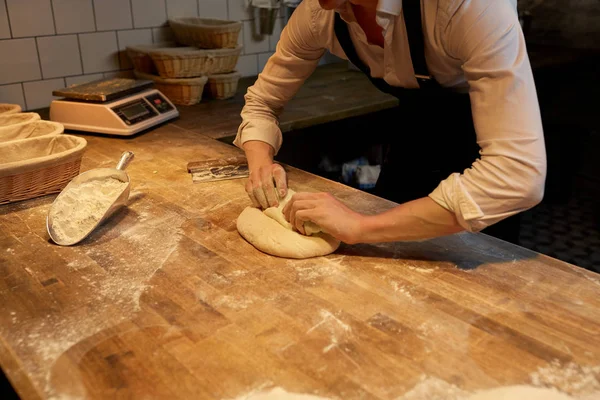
x: 126, y: 158
x: 94, y: 174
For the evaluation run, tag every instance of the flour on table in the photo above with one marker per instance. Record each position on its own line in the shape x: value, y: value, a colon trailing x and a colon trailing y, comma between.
x: 520, y: 392
x: 77, y: 210
x: 279, y: 394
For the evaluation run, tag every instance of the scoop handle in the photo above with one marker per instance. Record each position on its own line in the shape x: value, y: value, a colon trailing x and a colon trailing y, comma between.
x: 126, y: 158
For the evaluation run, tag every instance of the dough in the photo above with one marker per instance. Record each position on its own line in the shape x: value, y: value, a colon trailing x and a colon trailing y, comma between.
x: 520, y: 393
x: 277, y: 214
x: 269, y: 232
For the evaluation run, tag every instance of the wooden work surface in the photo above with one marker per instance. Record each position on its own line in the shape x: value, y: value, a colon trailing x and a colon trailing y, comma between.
x: 330, y: 94
x: 167, y: 301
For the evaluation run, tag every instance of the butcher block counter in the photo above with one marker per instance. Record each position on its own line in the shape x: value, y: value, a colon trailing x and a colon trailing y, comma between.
x: 167, y: 301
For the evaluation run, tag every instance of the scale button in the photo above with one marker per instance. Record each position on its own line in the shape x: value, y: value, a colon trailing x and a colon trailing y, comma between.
x: 157, y: 101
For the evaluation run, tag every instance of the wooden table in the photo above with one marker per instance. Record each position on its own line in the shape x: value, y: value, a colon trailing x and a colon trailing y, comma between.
x: 166, y: 300
x: 330, y: 94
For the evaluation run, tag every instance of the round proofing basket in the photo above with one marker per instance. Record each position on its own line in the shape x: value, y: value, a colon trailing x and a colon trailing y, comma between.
x: 18, y: 119
x: 184, y: 91
x: 223, y: 86
x: 9, y: 108
x: 139, y: 57
x: 38, y: 166
x: 187, y: 62
x: 206, y: 33
x: 30, y: 130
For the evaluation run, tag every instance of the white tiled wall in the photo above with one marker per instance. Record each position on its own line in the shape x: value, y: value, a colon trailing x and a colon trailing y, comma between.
x: 49, y: 44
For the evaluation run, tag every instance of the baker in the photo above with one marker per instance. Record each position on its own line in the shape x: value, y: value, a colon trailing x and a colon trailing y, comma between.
x: 466, y: 150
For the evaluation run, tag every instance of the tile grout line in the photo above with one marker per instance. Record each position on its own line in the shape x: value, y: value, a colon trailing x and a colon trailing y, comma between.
x: 131, y: 13
x: 53, y: 18
x: 8, y: 20
x: 80, y: 54
x: 24, y: 98
x: 118, y: 50
x: 37, y: 49
x: 94, y: 15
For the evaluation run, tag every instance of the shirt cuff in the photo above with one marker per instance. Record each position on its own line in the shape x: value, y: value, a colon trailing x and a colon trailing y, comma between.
x: 454, y: 197
x: 264, y: 131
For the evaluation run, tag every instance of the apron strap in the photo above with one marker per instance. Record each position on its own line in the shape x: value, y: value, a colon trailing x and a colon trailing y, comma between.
x: 343, y: 36
x: 414, y: 29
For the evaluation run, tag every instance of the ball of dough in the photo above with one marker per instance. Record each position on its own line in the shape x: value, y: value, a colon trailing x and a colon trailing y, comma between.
x: 272, y: 237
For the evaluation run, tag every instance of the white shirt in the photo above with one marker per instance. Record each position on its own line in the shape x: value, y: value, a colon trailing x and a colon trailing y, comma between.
x: 473, y: 46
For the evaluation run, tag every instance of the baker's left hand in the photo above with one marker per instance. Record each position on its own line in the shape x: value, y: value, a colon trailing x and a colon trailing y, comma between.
x: 334, y: 217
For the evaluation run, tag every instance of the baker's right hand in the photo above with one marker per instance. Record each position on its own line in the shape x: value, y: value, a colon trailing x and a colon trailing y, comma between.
x: 266, y: 185
x: 268, y: 181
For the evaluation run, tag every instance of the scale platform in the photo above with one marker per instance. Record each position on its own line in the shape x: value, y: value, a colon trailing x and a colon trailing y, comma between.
x: 117, y: 106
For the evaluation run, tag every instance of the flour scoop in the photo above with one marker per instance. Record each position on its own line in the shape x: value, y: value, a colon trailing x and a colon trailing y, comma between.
x: 87, y: 201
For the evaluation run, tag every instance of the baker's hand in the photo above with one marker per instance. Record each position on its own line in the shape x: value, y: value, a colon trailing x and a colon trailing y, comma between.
x: 334, y: 217
x: 267, y: 179
x: 265, y: 184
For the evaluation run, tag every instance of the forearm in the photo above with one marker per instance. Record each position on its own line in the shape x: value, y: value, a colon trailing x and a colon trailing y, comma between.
x: 258, y: 154
x: 416, y: 220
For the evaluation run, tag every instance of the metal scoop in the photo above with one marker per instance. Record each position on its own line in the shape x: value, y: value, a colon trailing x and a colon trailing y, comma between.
x: 91, y: 175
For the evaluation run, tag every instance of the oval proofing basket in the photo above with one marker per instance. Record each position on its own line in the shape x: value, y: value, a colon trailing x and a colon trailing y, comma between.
x: 9, y: 108
x: 141, y: 60
x: 38, y: 166
x: 17, y: 119
x: 30, y: 130
x: 223, y: 86
x: 206, y: 33
x: 184, y: 91
x: 187, y: 62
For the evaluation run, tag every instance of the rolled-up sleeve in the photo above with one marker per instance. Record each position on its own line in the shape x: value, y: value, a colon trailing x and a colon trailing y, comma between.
x: 300, y: 47
x: 509, y: 176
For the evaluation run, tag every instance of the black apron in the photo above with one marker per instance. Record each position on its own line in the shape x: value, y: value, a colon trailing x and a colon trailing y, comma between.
x: 431, y: 133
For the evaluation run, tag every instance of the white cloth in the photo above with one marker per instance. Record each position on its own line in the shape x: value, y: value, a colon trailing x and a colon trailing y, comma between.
x: 474, y: 46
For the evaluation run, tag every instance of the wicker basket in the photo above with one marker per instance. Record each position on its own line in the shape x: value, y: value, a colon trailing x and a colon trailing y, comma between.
x: 18, y: 119
x: 30, y: 130
x: 206, y: 33
x: 187, y: 62
x: 39, y: 166
x: 9, y: 108
x: 223, y: 86
x: 184, y: 91
x: 141, y: 59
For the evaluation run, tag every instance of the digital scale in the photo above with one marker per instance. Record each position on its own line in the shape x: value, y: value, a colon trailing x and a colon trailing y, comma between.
x: 115, y: 106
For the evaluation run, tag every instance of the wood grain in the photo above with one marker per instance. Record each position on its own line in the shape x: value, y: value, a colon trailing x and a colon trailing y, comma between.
x: 166, y: 300
x: 330, y: 94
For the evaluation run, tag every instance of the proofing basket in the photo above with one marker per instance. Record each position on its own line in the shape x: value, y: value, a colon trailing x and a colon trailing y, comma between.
x: 9, y: 108
x: 38, y: 166
x: 188, y: 62
x: 30, y: 130
x: 183, y: 91
x: 141, y: 60
x: 223, y: 86
x: 206, y: 33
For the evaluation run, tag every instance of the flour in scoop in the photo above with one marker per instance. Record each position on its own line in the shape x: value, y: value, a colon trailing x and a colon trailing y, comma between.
x: 79, y: 209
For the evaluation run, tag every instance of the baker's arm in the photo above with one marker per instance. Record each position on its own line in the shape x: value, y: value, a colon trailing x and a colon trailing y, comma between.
x: 509, y: 177
x: 414, y: 220
x: 298, y: 52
